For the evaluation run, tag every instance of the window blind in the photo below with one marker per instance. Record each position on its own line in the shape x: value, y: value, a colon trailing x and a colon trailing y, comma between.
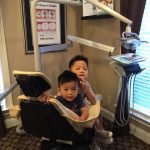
x: 140, y: 99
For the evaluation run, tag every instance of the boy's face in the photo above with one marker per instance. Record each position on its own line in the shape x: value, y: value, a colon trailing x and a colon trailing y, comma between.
x: 108, y: 1
x: 69, y: 90
x: 104, y: 2
x: 80, y: 68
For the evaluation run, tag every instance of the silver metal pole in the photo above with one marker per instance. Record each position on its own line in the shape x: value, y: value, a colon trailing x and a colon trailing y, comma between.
x: 8, y: 91
x: 37, y: 55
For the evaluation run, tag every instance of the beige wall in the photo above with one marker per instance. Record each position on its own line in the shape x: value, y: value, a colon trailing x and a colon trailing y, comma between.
x: 106, y: 31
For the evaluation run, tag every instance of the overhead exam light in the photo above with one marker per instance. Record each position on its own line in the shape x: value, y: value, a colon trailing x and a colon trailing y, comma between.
x: 129, y: 39
x: 37, y: 55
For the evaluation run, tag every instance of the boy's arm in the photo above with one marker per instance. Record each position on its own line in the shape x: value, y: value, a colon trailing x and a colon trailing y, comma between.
x: 45, y: 96
x: 88, y: 91
x: 85, y: 113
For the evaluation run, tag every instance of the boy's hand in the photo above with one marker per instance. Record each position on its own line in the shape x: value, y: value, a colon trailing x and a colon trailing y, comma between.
x: 87, y: 91
x: 75, y: 117
x: 84, y: 85
x: 45, y: 96
x: 85, y: 113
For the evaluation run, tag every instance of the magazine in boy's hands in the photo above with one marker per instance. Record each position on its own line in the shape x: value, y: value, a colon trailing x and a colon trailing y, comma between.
x: 128, y: 58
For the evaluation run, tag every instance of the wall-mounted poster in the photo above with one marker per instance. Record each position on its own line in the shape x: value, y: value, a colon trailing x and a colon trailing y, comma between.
x: 50, y: 19
x: 48, y: 23
x: 92, y: 12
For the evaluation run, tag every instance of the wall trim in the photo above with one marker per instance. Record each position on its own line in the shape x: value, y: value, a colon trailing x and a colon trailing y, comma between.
x: 136, y: 131
x: 12, y: 122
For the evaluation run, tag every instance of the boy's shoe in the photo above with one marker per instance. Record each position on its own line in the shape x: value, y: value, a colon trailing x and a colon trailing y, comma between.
x: 104, y: 140
x: 20, y: 130
x: 103, y: 133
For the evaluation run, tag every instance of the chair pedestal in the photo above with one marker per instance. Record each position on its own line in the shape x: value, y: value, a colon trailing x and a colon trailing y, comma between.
x: 2, y: 124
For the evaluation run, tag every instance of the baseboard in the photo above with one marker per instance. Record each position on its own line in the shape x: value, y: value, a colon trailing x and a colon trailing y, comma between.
x: 12, y: 122
x: 136, y: 131
x: 107, y: 114
x: 140, y: 133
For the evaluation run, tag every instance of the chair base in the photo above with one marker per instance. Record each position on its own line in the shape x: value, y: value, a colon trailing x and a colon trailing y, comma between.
x: 81, y: 146
x: 53, y: 145
x: 48, y: 145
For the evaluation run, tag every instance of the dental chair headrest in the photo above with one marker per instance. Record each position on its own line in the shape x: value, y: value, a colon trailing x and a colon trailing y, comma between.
x: 33, y: 84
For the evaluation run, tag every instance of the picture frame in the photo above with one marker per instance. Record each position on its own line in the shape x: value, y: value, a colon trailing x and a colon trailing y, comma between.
x: 50, y: 27
x: 92, y: 12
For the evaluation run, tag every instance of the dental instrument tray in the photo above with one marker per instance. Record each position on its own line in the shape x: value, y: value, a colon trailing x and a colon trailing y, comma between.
x: 129, y: 58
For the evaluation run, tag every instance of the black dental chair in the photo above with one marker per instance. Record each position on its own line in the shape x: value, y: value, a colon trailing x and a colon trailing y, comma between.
x: 41, y: 119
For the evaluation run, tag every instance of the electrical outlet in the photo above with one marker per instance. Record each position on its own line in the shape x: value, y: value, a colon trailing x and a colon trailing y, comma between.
x: 108, y: 99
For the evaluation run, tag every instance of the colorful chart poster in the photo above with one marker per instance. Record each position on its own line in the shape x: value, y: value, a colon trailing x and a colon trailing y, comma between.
x: 91, y: 10
x: 48, y: 23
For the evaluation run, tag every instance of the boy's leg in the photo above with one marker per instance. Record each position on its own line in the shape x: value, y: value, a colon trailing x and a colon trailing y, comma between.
x: 102, y: 136
x: 104, y: 140
x: 94, y: 145
x: 102, y: 132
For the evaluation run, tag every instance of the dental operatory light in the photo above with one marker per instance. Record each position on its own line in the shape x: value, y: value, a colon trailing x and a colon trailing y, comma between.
x: 129, y: 40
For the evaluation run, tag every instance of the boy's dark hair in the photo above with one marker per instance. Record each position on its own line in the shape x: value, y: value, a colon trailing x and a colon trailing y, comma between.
x: 67, y: 76
x: 78, y: 58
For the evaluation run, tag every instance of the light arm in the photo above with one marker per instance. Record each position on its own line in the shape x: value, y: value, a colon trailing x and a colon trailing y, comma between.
x: 71, y: 2
x: 110, y: 11
x: 90, y: 43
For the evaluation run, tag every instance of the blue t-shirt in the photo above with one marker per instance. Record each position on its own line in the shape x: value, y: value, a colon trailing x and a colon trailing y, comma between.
x: 74, y: 105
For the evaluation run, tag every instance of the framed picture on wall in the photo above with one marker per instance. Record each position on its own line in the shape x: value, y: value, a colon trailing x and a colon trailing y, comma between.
x: 92, y: 12
x: 50, y: 19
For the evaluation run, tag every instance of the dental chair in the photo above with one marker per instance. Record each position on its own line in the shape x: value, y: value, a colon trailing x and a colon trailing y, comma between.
x: 48, y: 119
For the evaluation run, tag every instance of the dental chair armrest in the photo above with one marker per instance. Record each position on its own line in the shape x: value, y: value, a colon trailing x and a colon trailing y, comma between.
x: 79, y: 126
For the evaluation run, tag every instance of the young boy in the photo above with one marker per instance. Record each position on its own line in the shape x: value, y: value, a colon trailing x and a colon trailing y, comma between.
x: 79, y: 65
x: 68, y: 91
x: 68, y: 95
